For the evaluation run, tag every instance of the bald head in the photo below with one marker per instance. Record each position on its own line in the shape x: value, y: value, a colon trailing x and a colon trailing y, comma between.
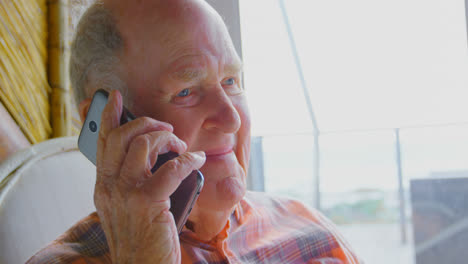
x: 159, y: 21
x: 157, y: 32
x: 114, y: 34
x: 142, y: 12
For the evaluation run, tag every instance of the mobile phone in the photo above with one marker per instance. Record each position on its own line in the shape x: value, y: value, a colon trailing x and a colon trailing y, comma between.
x: 184, y: 197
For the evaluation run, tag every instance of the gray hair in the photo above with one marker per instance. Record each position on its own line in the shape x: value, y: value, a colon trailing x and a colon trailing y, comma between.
x: 94, y: 61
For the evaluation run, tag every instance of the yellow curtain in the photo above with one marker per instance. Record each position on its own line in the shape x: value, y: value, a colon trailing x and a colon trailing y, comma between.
x: 24, y: 89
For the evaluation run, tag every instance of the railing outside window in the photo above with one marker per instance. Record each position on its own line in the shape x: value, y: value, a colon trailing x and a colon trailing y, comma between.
x: 359, y: 185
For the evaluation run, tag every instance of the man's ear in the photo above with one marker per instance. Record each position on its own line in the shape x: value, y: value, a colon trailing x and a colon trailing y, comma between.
x: 83, y: 108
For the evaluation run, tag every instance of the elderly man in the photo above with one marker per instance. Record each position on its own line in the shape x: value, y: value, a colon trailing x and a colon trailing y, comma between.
x: 175, y: 65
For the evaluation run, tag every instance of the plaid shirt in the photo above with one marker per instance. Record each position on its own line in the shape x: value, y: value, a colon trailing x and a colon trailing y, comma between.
x: 262, y: 229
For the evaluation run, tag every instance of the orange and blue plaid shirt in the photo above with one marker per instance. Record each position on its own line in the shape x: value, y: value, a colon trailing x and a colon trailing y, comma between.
x: 262, y: 229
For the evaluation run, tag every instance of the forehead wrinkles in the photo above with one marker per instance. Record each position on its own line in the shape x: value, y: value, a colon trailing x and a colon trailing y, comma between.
x: 189, y: 68
x: 197, y: 50
x: 198, y: 72
x: 155, y: 35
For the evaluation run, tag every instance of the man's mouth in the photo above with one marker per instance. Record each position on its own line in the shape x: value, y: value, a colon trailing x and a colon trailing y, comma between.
x: 219, y: 152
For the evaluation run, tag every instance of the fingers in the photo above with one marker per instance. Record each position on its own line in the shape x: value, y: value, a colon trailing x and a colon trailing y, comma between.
x: 119, y: 140
x: 109, y: 120
x: 127, y: 153
x: 143, y: 153
x: 113, y: 140
x: 169, y: 176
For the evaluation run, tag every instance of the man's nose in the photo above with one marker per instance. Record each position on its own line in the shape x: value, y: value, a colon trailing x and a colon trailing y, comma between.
x: 223, y: 115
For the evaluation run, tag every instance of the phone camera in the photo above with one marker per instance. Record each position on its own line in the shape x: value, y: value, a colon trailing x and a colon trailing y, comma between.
x: 93, y: 126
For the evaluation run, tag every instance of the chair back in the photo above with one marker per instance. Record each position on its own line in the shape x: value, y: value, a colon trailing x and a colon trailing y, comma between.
x: 44, y: 190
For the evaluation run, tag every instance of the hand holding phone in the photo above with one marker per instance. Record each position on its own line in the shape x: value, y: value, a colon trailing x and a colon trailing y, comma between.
x: 141, y: 212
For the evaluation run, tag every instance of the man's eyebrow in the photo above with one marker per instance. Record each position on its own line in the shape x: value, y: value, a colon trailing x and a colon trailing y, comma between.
x: 194, y: 74
x: 190, y: 74
x: 234, y: 68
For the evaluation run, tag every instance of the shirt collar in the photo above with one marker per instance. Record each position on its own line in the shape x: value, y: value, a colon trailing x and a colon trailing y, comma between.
x: 188, y: 236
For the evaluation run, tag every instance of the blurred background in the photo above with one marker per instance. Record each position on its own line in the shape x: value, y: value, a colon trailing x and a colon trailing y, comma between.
x: 359, y: 109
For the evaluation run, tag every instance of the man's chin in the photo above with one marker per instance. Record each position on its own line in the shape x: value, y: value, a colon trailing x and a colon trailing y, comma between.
x: 223, y: 194
x: 225, y: 183
x: 230, y: 189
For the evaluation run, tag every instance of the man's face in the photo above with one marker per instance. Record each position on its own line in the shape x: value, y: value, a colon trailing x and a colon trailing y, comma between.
x: 189, y: 75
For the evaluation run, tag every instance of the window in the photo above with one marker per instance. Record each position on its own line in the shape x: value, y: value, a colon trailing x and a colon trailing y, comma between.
x: 388, y: 86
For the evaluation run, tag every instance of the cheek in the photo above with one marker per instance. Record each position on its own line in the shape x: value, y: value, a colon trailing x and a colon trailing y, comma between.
x: 184, y: 122
x: 242, y: 108
x: 243, y: 135
x: 186, y: 126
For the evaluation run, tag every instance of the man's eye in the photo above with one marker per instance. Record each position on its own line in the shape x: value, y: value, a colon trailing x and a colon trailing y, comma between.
x: 184, y: 93
x: 230, y: 81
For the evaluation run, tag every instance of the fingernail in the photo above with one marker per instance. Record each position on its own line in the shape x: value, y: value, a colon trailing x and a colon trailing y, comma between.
x: 163, y: 126
x: 180, y: 146
x: 184, y: 144
x: 200, y: 153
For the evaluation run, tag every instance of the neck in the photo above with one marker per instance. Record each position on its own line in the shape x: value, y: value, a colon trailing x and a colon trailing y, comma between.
x: 209, y: 223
